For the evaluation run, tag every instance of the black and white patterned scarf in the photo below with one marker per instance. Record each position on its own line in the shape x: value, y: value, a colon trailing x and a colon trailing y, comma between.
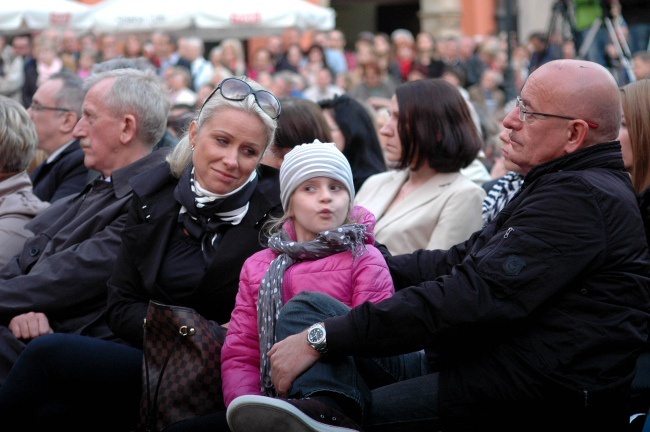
x: 501, y: 193
x: 347, y: 237
x: 205, y: 215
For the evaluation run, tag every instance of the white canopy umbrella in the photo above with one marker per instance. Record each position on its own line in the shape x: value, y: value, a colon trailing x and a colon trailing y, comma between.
x: 136, y: 16
x: 210, y: 19
x: 247, y: 18
x: 27, y: 15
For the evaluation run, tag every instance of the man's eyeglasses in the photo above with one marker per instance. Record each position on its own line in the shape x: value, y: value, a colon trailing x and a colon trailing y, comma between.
x: 523, y: 112
x: 35, y: 106
x: 237, y: 90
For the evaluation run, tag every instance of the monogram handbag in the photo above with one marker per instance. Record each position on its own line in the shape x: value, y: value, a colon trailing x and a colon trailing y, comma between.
x: 181, y: 369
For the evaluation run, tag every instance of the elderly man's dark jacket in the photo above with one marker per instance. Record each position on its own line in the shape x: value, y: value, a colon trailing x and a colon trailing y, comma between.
x: 538, y: 319
x: 63, y: 269
x: 65, y: 175
x: 151, y: 225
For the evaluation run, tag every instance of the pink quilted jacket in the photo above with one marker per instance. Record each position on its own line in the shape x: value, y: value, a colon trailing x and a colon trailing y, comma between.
x: 351, y: 281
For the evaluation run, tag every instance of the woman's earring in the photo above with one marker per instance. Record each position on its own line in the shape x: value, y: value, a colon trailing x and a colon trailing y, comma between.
x: 192, y: 147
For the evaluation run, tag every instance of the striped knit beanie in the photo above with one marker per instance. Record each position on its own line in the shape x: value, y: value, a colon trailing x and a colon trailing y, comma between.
x: 307, y: 161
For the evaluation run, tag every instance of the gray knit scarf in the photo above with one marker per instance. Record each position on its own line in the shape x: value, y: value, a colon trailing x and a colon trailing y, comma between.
x: 347, y: 237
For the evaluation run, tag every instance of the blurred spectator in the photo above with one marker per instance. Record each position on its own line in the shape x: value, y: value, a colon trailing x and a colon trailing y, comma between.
x: 364, y: 50
x: 18, y: 205
x: 87, y: 61
x: 403, y: 43
x: 418, y: 72
x: 540, y: 51
x: 265, y: 79
x: 427, y: 57
x: 324, y: 88
x: 179, y: 119
x: 48, y: 61
x: 165, y: 55
x: 374, y: 88
x: 569, y: 50
x: 22, y: 46
x: 70, y: 50
x: 292, y: 59
x: 262, y: 62
x: 313, y: 62
x: 455, y: 77
x: 109, y: 48
x: 216, y: 56
x: 385, y: 57
x: 233, y: 56
x: 220, y: 73
x: 292, y: 36
x: 201, y: 69
x: 89, y: 41
x: 177, y: 83
x: 350, y: 57
x: 275, y: 45
x: 203, y: 93
x: 520, y: 65
x: 345, y: 80
x: 335, y: 55
x: 636, y: 14
x: 641, y: 64
x: 133, y: 46
x: 355, y: 134
x: 55, y: 111
x: 288, y: 84
x: 470, y: 60
x: 488, y: 99
x: 301, y: 122
x: 12, y: 74
x: 450, y: 52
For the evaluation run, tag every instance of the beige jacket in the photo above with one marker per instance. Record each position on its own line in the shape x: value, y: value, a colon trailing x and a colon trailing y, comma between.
x: 443, y: 212
x: 18, y: 205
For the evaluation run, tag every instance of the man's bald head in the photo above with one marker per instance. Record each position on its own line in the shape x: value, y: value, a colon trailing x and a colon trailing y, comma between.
x: 583, y: 90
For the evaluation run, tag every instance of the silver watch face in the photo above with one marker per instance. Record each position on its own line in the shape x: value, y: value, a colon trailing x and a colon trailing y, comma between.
x: 316, y: 335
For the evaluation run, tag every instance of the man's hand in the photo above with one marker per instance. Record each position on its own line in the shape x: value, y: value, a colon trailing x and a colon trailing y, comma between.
x: 289, y: 359
x: 30, y: 325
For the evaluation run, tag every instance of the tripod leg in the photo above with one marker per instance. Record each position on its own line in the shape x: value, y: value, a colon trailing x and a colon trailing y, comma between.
x: 589, y: 39
x: 619, y: 31
x: 550, y: 32
x: 623, y: 58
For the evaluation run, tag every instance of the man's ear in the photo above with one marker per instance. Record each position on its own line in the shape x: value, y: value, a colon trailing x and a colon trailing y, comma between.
x: 128, y: 131
x: 576, y: 136
x: 70, y: 120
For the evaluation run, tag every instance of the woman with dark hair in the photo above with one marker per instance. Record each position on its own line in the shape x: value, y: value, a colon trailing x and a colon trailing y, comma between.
x: 354, y: 133
x: 426, y: 203
x: 302, y: 122
x: 313, y: 61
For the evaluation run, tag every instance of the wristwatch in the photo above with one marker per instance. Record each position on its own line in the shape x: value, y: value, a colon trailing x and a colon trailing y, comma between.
x: 316, y: 337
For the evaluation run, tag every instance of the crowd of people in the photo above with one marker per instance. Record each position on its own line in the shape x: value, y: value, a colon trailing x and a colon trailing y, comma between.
x: 393, y: 240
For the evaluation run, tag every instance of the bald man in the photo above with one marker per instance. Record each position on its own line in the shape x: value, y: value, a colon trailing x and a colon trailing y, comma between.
x: 532, y: 324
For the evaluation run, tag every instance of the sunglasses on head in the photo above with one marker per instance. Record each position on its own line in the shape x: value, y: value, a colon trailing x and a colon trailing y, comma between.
x: 237, y: 90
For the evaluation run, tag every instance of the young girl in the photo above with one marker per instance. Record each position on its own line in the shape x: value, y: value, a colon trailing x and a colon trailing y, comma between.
x: 321, y: 244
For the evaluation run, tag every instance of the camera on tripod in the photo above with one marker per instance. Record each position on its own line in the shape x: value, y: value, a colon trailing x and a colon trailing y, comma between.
x: 606, y: 7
